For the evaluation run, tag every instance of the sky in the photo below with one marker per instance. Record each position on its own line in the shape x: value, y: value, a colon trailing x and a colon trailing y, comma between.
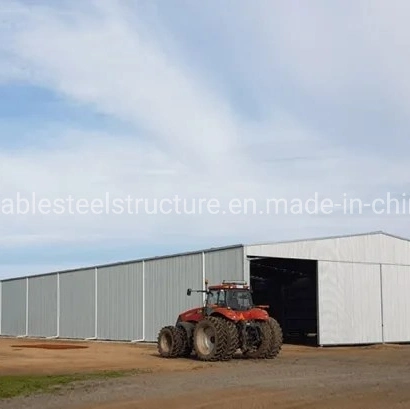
x: 108, y: 100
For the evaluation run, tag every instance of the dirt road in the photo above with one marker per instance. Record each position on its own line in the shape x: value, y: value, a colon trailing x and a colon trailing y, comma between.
x: 17, y: 356
x: 374, y: 377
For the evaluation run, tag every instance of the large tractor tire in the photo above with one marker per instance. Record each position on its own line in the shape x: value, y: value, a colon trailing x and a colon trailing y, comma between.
x: 187, y: 330
x: 232, y: 340
x: 261, y: 351
x: 170, y: 342
x: 210, y: 339
x: 276, y: 339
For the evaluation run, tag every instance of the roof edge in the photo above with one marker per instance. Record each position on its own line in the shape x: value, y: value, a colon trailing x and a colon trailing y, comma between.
x: 340, y: 236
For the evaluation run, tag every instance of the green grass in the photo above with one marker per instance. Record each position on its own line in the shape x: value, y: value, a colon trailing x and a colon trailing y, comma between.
x: 24, y: 385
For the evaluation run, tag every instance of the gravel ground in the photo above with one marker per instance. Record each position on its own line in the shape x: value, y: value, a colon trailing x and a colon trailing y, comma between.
x: 335, y: 378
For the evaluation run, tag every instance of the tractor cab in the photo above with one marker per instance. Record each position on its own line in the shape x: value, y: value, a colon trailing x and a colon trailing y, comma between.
x: 230, y: 294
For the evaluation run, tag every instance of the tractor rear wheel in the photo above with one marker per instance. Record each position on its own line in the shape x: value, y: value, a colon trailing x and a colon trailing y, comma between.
x: 276, y: 339
x: 261, y: 350
x: 210, y: 339
x: 170, y: 342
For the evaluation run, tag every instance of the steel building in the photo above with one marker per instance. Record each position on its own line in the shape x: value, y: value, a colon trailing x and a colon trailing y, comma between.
x: 339, y: 290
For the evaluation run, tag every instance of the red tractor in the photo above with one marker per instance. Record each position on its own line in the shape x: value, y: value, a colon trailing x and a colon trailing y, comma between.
x: 228, y: 322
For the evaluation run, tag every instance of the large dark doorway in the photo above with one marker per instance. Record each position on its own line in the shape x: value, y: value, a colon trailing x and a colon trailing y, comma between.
x: 289, y: 287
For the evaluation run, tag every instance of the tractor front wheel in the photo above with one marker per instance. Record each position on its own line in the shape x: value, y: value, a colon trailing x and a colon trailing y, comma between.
x: 210, y: 339
x: 170, y: 342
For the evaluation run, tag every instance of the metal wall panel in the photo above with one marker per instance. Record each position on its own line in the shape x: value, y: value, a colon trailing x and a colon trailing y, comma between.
x: 366, y: 248
x: 396, y: 303
x: 166, y: 282
x: 349, y: 303
x: 42, y: 306
x: 77, y: 304
x: 224, y: 265
x: 120, y: 302
x: 13, y: 306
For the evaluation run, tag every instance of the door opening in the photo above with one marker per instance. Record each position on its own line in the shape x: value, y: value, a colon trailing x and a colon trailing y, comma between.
x: 289, y: 287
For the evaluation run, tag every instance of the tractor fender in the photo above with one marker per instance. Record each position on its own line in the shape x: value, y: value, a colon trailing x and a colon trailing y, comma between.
x: 227, y: 314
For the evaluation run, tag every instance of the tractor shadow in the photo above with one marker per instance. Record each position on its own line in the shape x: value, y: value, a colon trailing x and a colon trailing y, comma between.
x: 238, y: 357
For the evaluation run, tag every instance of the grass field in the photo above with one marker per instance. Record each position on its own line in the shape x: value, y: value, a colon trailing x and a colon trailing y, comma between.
x: 24, y: 385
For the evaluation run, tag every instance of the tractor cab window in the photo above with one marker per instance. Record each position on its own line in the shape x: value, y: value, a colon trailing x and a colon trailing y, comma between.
x: 235, y: 299
x: 216, y: 297
x: 239, y: 300
x: 212, y: 297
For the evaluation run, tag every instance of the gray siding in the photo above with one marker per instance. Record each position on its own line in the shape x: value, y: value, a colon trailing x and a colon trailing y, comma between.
x: 224, y: 265
x: 396, y: 303
x: 376, y: 265
x: 349, y: 303
x: 120, y: 302
x: 42, y: 306
x: 111, y: 304
x: 13, y: 306
x: 77, y: 304
x: 166, y: 282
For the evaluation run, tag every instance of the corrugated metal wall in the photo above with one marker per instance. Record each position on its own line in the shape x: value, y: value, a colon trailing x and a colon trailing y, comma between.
x: 396, y: 303
x: 349, y: 303
x: 120, y: 302
x: 166, y: 282
x: 77, y: 304
x: 42, y: 306
x: 358, y: 303
x: 13, y: 307
x: 224, y: 265
x: 129, y: 301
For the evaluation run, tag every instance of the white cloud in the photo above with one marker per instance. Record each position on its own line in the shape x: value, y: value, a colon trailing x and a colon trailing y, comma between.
x: 188, y: 140
x: 355, y: 50
x: 111, y: 66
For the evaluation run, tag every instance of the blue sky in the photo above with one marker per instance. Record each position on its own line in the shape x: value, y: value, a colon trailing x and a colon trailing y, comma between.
x: 203, y: 100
